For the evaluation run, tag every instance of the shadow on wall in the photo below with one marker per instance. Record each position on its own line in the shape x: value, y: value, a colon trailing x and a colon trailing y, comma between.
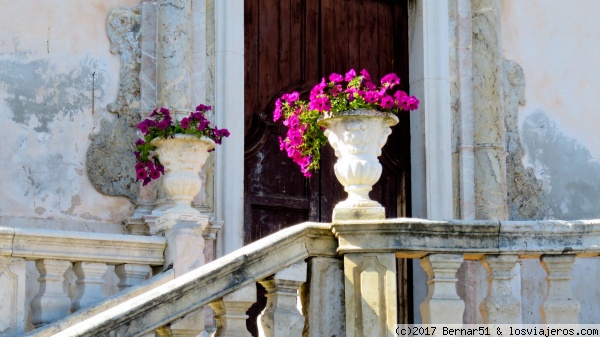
x: 573, y: 174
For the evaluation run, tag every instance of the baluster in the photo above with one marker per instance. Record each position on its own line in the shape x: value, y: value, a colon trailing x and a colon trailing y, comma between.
x: 89, y: 284
x: 500, y: 306
x: 281, y: 317
x: 231, y: 310
x: 323, y: 303
x: 442, y: 305
x: 131, y: 274
x: 559, y: 306
x: 51, y: 303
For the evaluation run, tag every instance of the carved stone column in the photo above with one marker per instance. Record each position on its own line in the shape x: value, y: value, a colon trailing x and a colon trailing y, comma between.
x: 174, y: 54
x: 185, y: 252
x: 231, y: 312
x: 281, y: 317
x: 442, y: 305
x: 370, y: 285
x: 500, y: 306
x: 559, y: 306
x: 51, y: 303
x: 323, y: 302
x: 89, y: 284
x: 132, y: 274
x: 489, y: 146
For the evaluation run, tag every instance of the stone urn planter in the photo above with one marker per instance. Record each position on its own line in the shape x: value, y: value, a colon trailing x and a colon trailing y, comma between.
x: 357, y: 136
x: 183, y: 157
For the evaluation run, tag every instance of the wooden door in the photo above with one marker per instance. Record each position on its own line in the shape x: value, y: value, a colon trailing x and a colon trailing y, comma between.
x: 291, y: 45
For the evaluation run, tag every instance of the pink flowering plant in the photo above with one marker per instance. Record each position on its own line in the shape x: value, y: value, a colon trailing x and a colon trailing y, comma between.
x: 162, y: 125
x: 341, y: 93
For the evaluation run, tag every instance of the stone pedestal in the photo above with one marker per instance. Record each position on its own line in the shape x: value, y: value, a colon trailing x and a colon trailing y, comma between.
x: 323, y: 301
x: 370, y: 287
x: 12, y: 296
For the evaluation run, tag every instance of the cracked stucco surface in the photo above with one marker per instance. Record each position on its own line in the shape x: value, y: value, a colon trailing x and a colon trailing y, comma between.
x: 57, y: 77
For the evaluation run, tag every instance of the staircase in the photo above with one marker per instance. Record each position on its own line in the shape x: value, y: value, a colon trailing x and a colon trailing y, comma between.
x: 343, y: 275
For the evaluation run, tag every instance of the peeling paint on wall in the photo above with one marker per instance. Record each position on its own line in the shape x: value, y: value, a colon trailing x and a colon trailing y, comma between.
x: 38, y: 89
x: 110, y: 158
x: 527, y: 198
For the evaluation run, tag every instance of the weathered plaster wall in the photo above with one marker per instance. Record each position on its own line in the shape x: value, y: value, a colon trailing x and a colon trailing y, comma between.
x: 57, y: 76
x: 558, y: 176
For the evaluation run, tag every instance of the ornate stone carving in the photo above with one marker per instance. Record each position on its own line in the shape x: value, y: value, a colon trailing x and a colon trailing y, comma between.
x: 357, y: 137
x: 110, y: 160
x: 183, y: 157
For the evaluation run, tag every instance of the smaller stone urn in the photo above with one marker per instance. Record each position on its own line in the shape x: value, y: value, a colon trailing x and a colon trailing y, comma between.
x: 357, y: 136
x: 183, y: 157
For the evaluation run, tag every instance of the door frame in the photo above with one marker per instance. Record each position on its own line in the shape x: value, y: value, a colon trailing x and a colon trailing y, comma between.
x: 431, y: 125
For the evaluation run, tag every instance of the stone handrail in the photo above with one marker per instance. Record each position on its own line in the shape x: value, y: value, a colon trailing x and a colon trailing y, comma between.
x: 368, y: 283
x: 210, y: 282
x: 36, y: 244
x: 88, y: 255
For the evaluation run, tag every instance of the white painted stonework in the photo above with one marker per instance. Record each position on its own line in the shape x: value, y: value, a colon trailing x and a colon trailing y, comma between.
x: 357, y: 168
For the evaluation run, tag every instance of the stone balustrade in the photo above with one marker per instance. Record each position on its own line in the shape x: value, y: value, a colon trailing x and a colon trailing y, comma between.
x: 343, y: 277
x: 56, y: 254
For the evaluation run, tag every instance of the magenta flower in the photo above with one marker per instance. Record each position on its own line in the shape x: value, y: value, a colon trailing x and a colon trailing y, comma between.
x: 336, y: 78
x: 143, y: 126
x: 141, y: 174
x: 277, y: 111
x: 291, y: 98
x: 202, y: 125
x: 295, y: 137
x: 320, y: 104
x: 221, y: 132
x: 203, y: 108
x: 165, y: 111
x: 318, y: 89
x: 292, y: 121
x: 185, y: 123
x: 365, y: 75
x: 371, y: 97
x: 163, y: 124
x: 160, y: 169
x: 139, y: 142
x: 146, y: 181
x: 153, y: 113
x: 154, y: 174
x: 350, y: 75
x: 390, y: 80
x: 139, y: 166
x: 387, y: 102
x: 136, y: 154
x: 412, y: 103
x: 282, y: 144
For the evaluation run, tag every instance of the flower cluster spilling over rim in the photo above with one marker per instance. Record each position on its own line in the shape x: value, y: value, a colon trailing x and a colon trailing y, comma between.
x: 148, y: 165
x: 342, y: 93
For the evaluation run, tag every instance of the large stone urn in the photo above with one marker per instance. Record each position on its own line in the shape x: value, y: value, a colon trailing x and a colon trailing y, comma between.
x: 357, y: 137
x: 183, y: 157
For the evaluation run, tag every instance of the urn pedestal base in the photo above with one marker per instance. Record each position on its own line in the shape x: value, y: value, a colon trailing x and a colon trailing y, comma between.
x: 358, y: 213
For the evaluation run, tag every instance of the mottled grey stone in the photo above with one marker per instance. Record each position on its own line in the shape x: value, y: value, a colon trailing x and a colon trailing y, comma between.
x: 38, y: 89
x: 527, y: 197
x: 110, y: 159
